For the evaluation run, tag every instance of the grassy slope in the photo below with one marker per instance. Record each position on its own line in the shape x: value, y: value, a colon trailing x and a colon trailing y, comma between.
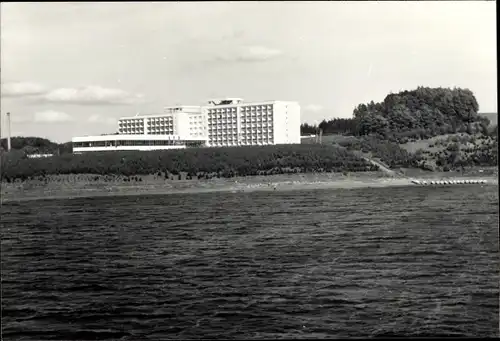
x: 200, y: 162
x: 438, y: 144
x: 434, y: 145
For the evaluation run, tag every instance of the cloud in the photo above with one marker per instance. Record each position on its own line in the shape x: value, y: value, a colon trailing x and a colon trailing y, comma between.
x: 249, y: 54
x: 51, y: 116
x: 259, y: 53
x: 88, y: 95
x: 313, y: 107
x: 101, y: 120
x: 92, y: 95
x: 21, y: 89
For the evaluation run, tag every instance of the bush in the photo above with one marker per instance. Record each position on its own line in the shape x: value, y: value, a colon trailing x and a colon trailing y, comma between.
x: 221, y: 162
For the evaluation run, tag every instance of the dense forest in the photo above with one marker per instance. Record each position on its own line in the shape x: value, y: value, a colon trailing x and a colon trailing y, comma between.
x: 345, y: 126
x: 421, y: 113
x: 197, y: 162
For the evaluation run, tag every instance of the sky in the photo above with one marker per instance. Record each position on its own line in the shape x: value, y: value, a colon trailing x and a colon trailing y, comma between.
x: 71, y: 69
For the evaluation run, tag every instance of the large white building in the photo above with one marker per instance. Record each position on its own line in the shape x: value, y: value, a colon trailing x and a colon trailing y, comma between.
x: 232, y: 122
x: 221, y: 123
x: 179, y: 120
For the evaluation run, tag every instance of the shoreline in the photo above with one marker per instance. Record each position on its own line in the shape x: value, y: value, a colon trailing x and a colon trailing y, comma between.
x: 70, y: 186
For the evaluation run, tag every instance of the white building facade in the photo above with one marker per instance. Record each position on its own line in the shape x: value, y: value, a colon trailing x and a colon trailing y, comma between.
x: 232, y: 122
x: 221, y: 123
x: 122, y: 142
x: 184, y: 121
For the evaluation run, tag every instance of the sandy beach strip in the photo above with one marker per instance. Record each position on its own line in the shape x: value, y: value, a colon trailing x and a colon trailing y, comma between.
x: 66, y: 190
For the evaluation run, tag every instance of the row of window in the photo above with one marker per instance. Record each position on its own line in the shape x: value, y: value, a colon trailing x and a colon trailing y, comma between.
x: 243, y: 121
x: 212, y: 111
x: 246, y: 133
x: 195, y: 118
x: 247, y: 130
x: 223, y: 124
x: 130, y: 121
x: 218, y: 117
x: 261, y: 119
x: 135, y: 143
x: 161, y: 119
x: 257, y: 113
x: 156, y: 124
x: 257, y: 107
x: 168, y: 132
x: 160, y: 128
x: 227, y: 128
x: 228, y: 144
x: 242, y: 139
x: 249, y: 107
x: 242, y: 126
x: 215, y: 135
x: 256, y: 124
x: 262, y: 137
x: 129, y: 131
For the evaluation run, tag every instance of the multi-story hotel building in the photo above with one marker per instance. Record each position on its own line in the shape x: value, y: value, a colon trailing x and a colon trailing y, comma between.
x: 232, y: 122
x: 181, y: 120
x: 177, y: 127
x: 221, y: 123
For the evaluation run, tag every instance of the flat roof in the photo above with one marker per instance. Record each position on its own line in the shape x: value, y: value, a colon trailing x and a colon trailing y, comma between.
x: 145, y: 116
x: 170, y: 114
x: 134, y: 137
x: 242, y: 104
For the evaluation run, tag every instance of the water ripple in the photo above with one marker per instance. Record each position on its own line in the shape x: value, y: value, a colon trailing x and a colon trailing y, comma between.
x: 302, y: 264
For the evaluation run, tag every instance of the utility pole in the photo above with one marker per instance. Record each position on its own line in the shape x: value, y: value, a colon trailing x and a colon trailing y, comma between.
x: 8, y: 131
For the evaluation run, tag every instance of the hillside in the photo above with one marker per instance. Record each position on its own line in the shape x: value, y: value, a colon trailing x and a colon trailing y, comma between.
x: 455, y: 151
x: 197, y: 162
x: 36, y: 145
x: 428, y: 128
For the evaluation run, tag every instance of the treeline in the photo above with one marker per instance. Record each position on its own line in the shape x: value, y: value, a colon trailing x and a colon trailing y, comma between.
x: 36, y: 145
x: 421, y: 113
x: 197, y: 162
x: 344, y: 126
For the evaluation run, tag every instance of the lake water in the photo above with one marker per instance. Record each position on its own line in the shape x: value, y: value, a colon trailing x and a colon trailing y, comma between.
x: 412, y: 261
